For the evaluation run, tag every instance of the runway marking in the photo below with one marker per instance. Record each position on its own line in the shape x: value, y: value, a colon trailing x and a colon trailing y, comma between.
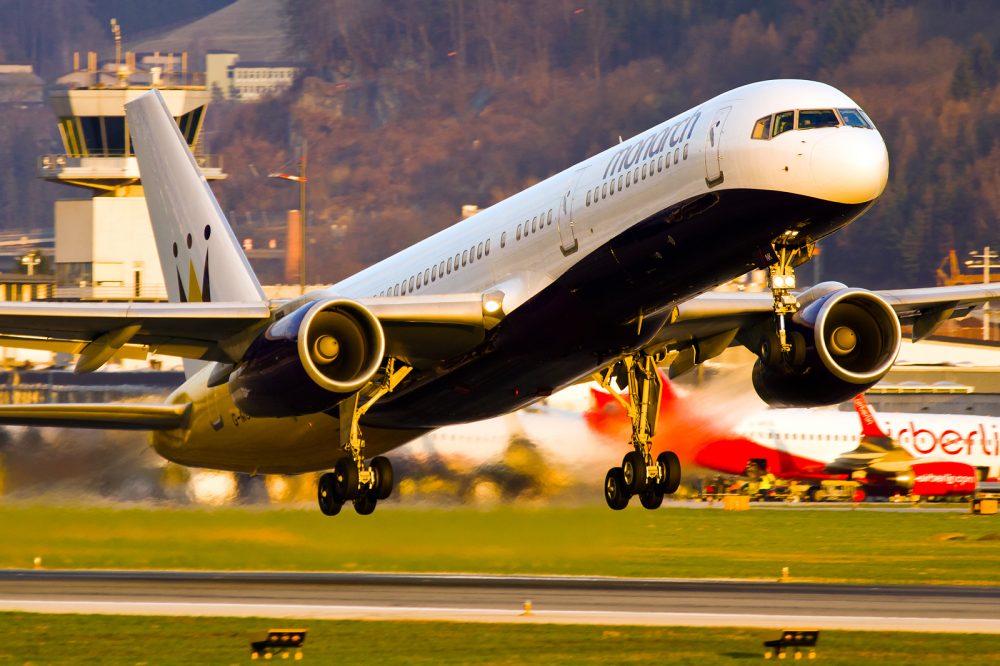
x: 458, y: 614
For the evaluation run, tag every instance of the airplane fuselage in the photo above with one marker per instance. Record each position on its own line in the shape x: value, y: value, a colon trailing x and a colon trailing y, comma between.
x: 590, y: 261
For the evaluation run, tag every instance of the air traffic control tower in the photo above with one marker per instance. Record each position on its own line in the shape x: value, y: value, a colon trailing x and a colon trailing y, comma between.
x: 104, y: 247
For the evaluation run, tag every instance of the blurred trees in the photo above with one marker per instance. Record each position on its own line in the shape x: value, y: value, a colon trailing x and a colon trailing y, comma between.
x: 413, y: 108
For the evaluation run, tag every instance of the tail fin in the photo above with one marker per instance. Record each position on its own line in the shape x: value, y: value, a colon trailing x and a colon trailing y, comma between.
x: 188, y: 225
x: 869, y: 426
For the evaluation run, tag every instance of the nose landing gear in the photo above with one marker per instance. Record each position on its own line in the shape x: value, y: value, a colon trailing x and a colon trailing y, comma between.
x: 354, y: 480
x: 781, y: 345
x: 639, y: 474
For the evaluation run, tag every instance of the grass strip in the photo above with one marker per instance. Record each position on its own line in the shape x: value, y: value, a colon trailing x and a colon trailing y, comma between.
x: 882, y: 547
x: 117, y: 639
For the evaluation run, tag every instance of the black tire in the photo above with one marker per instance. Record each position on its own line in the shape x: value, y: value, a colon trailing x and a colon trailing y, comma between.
x: 634, y: 472
x: 651, y: 498
x: 670, y: 472
x: 365, y: 502
x: 382, y: 469
x: 614, y: 489
x: 346, y: 473
x: 770, y: 349
x: 326, y: 494
x: 797, y: 357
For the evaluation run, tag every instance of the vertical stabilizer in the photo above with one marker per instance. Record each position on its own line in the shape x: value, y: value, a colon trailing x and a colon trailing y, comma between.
x: 869, y: 426
x: 200, y: 256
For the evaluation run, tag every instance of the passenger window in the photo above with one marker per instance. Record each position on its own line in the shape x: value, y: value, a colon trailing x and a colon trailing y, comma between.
x: 783, y: 122
x: 635, y: 175
x: 762, y: 129
x: 534, y: 224
x: 427, y: 275
x: 487, y: 247
x: 853, y: 118
x: 677, y: 155
x: 449, y: 265
x: 441, y: 269
x: 503, y: 240
x: 519, y: 232
x: 472, y: 254
x: 418, y: 279
x: 604, y: 191
x: 628, y: 177
x: 456, y: 261
x: 395, y: 290
x: 465, y: 257
x: 686, y: 150
x: 620, y: 180
x: 479, y: 251
x: 434, y: 273
x: 548, y: 218
x: 411, y: 283
x: 814, y: 119
x: 588, y: 197
x: 644, y: 172
x: 659, y: 163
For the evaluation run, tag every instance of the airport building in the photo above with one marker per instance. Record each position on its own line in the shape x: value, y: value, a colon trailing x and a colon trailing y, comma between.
x: 104, y: 247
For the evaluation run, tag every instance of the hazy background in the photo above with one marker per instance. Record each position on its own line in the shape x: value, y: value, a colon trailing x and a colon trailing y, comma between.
x: 414, y: 108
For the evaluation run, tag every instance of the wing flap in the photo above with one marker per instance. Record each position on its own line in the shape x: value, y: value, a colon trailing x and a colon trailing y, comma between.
x: 106, y: 416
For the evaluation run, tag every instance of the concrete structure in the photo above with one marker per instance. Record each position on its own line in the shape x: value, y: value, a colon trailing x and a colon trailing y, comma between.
x: 104, y: 244
x: 232, y: 79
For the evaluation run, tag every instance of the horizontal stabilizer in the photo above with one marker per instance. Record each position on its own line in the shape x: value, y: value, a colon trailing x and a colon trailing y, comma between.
x: 109, y: 416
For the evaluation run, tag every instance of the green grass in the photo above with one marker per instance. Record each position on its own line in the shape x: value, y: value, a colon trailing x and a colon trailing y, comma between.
x: 114, y: 639
x: 844, y: 546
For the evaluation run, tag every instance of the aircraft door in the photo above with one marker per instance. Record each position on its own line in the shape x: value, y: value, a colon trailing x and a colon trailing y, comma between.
x: 713, y: 162
x: 568, y: 243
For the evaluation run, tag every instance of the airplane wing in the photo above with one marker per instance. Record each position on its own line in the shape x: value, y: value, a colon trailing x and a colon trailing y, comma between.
x: 418, y: 329
x: 703, y: 327
x: 110, y: 416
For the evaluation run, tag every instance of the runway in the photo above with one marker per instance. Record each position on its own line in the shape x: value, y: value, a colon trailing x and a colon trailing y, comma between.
x: 470, y: 598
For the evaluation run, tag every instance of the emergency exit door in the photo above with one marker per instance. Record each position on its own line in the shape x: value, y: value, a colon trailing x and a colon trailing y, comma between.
x: 713, y: 141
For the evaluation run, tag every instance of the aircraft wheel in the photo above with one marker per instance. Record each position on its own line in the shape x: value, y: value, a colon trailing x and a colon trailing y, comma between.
x: 797, y: 357
x: 614, y: 489
x: 365, y: 502
x: 670, y: 472
x: 651, y: 498
x: 382, y: 469
x: 770, y: 349
x: 326, y: 494
x: 634, y: 470
x: 346, y: 473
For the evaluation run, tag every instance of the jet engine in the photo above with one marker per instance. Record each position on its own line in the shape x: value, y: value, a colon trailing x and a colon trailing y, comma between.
x: 310, y: 360
x: 844, y: 341
x: 937, y: 479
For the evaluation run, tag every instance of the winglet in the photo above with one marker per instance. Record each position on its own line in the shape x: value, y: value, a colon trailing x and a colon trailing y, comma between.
x: 869, y: 426
x: 201, y: 257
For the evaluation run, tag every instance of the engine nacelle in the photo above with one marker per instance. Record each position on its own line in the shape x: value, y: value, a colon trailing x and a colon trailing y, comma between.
x: 851, y: 338
x: 937, y: 479
x: 310, y: 360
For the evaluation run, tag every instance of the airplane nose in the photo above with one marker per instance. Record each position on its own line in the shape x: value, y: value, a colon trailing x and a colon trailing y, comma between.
x: 850, y: 165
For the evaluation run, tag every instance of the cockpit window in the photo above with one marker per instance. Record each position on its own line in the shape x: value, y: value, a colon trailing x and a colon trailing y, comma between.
x: 815, y: 118
x: 783, y: 122
x: 854, y: 118
x: 762, y: 128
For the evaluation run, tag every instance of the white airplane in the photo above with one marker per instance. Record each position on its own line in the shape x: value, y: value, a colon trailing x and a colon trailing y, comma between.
x: 600, y: 270
x: 924, y: 454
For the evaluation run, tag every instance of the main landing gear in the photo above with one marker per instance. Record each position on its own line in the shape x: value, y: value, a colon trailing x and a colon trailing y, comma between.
x: 354, y: 480
x: 640, y: 474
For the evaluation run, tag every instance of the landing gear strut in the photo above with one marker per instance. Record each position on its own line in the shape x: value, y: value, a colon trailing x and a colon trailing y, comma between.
x: 781, y: 345
x: 354, y: 480
x: 639, y: 474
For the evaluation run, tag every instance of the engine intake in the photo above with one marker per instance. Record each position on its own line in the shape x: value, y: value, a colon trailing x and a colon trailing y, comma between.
x: 310, y: 360
x: 851, y: 339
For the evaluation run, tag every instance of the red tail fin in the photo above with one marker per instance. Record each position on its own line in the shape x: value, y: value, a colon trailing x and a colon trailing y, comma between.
x: 869, y: 426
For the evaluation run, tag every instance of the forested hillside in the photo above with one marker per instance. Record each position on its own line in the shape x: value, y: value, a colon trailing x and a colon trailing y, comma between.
x: 414, y: 108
